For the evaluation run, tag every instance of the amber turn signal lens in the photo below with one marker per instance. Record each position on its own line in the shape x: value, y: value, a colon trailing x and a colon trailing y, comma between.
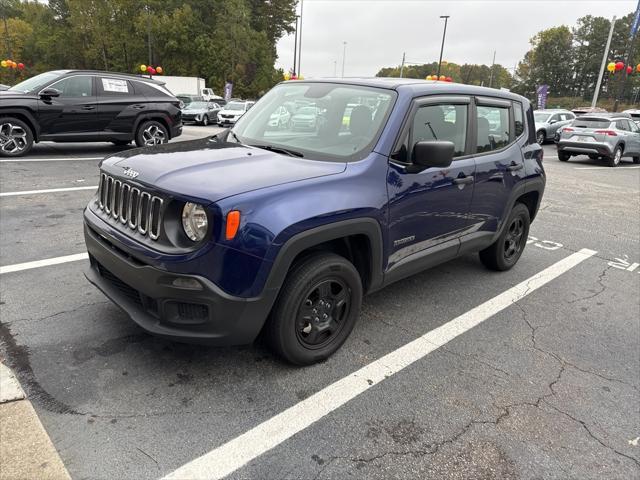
x: 233, y: 223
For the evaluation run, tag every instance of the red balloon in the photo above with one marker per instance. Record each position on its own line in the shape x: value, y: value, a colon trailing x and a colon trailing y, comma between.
x: 629, y: 70
x: 153, y: 71
x: 619, y: 66
x: 149, y: 68
x: 21, y: 66
x: 448, y: 79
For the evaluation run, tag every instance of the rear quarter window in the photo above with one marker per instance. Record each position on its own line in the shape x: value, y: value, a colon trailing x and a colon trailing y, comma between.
x: 151, y: 90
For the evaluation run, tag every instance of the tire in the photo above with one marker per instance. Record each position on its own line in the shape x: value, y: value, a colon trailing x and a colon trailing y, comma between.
x: 563, y: 156
x: 636, y: 159
x: 300, y: 326
x: 504, y: 253
x: 16, y: 137
x: 151, y: 133
x: 614, y: 160
x: 541, y: 136
x: 205, y: 120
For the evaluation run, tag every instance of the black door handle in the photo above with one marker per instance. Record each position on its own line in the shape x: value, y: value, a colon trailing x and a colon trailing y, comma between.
x: 138, y: 107
x: 88, y: 107
x: 463, y: 180
x: 515, y: 166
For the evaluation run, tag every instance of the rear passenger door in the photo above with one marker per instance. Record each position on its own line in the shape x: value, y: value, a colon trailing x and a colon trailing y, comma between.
x: 428, y: 207
x: 118, y: 105
x: 498, y: 143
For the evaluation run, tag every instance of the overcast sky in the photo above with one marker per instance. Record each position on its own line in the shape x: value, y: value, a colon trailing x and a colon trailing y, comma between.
x: 378, y: 31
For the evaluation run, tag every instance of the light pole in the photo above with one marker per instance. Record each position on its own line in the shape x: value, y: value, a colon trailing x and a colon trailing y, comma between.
x: 295, y: 48
x: 335, y: 68
x: 446, y: 19
x: 300, y: 49
x: 344, y: 54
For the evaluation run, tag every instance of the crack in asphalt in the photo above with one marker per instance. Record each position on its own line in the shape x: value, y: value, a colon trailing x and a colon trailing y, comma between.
x: 600, y: 282
x: 72, y: 310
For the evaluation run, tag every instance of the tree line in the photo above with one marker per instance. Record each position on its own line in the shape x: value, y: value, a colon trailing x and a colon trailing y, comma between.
x: 568, y: 59
x: 218, y: 40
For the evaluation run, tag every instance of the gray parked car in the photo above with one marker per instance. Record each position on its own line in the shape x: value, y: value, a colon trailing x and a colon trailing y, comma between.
x: 607, y: 135
x: 548, y: 122
x: 201, y: 112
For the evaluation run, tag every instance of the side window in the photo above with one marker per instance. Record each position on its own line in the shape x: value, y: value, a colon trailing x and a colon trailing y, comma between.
x: 622, y: 125
x: 554, y: 118
x: 518, y: 116
x: 75, y: 87
x: 441, y: 122
x: 634, y: 126
x: 113, y: 87
x: 493, y: 128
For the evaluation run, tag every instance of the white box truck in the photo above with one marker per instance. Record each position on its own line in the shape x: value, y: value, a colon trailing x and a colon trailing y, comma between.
x: 187, y: 86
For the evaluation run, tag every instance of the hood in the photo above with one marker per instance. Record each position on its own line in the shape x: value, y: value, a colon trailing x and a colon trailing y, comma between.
x: 232, y: 112
x: 193, y: 110
x: 10, y: 94
x: 212, y: 170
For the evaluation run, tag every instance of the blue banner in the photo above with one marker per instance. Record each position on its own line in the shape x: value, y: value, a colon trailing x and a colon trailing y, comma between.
x: 228, y: 90
x: 542, y: 92
x: 636, y: 22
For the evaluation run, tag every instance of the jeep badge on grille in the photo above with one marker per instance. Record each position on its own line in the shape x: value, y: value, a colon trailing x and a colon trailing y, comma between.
x: 130, y: 172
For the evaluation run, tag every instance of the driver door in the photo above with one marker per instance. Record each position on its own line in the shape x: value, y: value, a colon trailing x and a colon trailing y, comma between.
x: 74, y: 111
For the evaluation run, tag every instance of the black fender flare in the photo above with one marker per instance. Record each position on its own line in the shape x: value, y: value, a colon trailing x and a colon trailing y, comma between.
x: 536, y: 184
x: 324, y: 233
x: 151, y: 116
x: 35, y: 127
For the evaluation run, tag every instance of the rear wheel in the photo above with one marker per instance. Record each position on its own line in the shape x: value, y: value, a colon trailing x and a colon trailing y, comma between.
x: 205, y: 120
x: 316, y: 310
x: 151, y: 133
x: 506, y: 250
x: 16, y: 138
x: 614, y: 160
x: 563, y: 156
x: 636, y: 159
x: 541, y: 136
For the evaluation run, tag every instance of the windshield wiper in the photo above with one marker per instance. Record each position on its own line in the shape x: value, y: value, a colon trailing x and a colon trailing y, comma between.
x: 286, y: 151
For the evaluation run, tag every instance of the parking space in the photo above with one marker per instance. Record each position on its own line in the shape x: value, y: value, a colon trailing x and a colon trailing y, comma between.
x: 545, y: 386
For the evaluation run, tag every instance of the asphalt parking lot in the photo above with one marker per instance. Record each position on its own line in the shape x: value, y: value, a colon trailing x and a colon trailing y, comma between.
x: 545, y: 387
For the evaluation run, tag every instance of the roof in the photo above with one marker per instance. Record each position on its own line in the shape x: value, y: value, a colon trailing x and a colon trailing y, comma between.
x: 418, y: 87
x: 552, y: 110
x: 132, y: 76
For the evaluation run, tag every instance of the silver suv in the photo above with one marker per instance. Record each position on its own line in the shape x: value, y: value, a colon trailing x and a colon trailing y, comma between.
x: 610, y: 136
x: 548, y: 122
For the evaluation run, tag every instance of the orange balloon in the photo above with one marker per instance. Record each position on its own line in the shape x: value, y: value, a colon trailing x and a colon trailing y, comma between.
x: 159, y: 69
x: 442, y: 77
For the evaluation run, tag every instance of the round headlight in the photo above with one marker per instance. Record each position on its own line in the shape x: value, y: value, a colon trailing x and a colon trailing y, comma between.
x: 194, y: 221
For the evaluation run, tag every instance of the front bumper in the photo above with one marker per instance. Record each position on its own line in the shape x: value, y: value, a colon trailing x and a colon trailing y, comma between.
x: 208, y: 315
x: 227, y: 121
x: 595, y: 148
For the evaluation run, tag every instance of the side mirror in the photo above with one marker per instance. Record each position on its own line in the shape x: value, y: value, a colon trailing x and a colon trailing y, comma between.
x: 551, y: 122
x: 50, y: 92
x: 438, y: 153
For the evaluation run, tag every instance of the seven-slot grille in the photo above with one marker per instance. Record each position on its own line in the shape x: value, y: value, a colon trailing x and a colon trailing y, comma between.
x: 131, y: 206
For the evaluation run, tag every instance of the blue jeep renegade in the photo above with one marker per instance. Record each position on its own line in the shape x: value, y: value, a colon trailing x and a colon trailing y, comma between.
x: 322, y: 192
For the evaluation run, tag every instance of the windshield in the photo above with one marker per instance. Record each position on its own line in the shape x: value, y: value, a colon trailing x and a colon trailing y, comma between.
x: 235, y: 106
x: 541, y: 117
x: 35, y: 83
x: 583, y: 122
x: 342, y: 124
x: 194, y: 105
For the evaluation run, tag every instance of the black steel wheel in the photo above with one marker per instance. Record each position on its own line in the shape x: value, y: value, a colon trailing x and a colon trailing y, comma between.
x: 507, y: 249
x: 316, y: 309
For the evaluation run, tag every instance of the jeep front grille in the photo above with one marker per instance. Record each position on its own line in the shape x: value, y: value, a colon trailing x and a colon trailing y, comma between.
x: 131, y: 206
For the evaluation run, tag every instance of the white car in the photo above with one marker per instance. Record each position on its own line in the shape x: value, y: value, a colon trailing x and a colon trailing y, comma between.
x: 232, y: 111
x: 280, y: 118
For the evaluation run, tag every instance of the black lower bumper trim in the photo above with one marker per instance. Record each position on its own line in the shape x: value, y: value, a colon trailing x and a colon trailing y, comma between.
x: 147, y: 294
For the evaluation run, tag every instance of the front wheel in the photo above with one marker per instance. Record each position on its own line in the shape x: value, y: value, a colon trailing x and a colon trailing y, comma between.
x: 16, y: 138
x: 636, y: 159
x: 316, y: 310
x: 541, y: 137
x: 205, y: 120
x: 151, y: 133
x: 563, y: 156
x: 506, y: 250
x: 614, y: 160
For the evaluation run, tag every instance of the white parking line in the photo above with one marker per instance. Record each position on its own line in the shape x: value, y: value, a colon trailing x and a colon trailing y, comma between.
x: 45, y: 159
x: 43, y: 263
x: 605, y: 168
x: 236, y: 453
x: 51, y: 190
